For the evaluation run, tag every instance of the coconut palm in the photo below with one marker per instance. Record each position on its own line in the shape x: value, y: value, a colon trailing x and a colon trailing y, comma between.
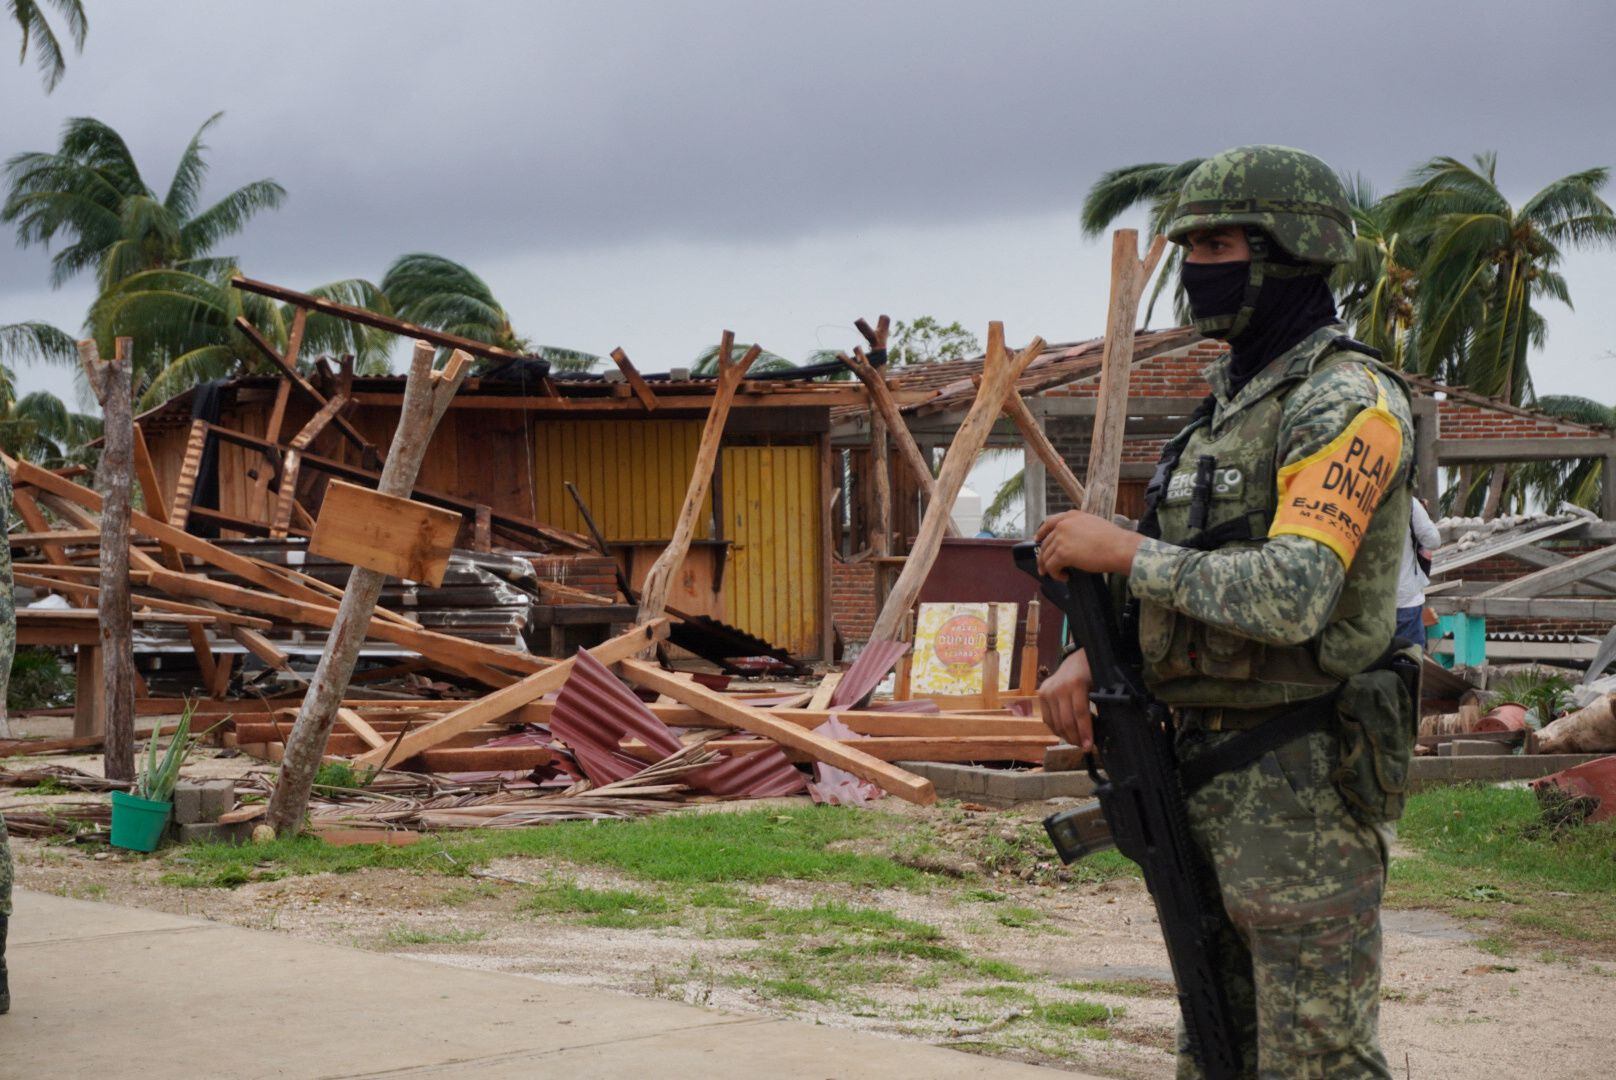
x: 706, y: 362
x: 89, y: 192
x: 38, y: 426
x: 1485, y: 262
x: 1377, y: 287
x: 184, y: 328
x: 1155, y: 185
x: 439, y: 293
x: 1577, y: 482
x: 29, y: 15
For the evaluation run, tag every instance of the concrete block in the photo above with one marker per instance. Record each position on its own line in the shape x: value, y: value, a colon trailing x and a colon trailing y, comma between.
x: 199, y: 801
x: 187, y: 802
x: 1478, y: 748
x: 211, y: 832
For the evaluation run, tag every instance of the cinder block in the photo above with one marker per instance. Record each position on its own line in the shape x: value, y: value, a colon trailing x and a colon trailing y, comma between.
x: 218, y: 798
x: 187, y: 802
x: 211, y: 832
x: 1478, y: 748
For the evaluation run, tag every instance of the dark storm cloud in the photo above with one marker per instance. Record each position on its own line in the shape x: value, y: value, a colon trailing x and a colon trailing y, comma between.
x: 483, y: 129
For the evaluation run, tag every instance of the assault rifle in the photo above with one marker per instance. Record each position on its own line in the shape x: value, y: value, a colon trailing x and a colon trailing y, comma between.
x: 1141, y: 811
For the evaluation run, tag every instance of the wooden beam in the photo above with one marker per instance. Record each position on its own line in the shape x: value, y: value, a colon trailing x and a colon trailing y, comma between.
x: 1128, y: 277
x: 1026, y: 748
x: 1526, y: 607
x: 843, y: 755
x: 1000, y: 378
x: 270, y: 466
x: 260, y: 646
x: 356, y: 724
x: 1038, y: 442
x: 1554, y: 577
x: 306, y: 388
x: 502, y: 702
x: 1526, y: 448
x: 659, y: 579
x: 151, y: 489
x: 636, y: 381
x: 880, y: 395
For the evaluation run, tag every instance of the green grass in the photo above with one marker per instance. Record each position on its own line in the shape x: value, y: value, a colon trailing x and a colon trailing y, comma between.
x: 340, y: 774
x: 400, y: 935
x: 621, y: 909
x: 1003, y: 994
x: 1016, y: 916
x: 799, y: 843
x: 1485, y: 853
x: 48, y: 786
x: 1122, y: 987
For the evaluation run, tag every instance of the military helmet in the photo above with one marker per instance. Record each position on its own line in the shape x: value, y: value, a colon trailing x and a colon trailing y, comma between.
x: 1288, y: 194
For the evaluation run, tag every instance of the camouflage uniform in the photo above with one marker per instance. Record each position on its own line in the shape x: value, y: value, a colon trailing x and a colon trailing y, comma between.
x: 8, y: 649
x: 1273, y: 613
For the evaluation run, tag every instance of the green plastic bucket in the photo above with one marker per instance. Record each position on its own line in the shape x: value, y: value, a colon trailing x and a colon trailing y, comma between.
x: 137, y: 824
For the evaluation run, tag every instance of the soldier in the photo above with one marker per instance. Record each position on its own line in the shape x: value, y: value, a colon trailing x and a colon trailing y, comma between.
x: 1264, y: 574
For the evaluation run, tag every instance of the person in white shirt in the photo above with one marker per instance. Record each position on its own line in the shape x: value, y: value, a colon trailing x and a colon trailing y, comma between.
x: 1414, y: 574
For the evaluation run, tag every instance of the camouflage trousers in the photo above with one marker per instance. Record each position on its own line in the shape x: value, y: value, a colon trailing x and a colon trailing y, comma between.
x: 1301, y: 882
x: 5, y: 870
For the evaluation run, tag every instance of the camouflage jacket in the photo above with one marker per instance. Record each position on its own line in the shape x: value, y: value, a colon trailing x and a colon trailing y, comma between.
x: 1284, y: 586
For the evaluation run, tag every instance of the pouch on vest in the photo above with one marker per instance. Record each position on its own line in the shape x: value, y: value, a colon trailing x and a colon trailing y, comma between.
x: 1379, y: 723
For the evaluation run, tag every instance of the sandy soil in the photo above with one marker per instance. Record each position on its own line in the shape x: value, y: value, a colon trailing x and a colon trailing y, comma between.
x: 1450, y: 1010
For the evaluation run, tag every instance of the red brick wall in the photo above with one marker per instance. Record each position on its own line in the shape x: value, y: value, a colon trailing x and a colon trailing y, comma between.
x: 1464, y: 419
x: 852, y: 599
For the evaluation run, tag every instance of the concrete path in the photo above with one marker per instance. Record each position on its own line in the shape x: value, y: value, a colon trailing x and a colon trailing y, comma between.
x: 101, y: 991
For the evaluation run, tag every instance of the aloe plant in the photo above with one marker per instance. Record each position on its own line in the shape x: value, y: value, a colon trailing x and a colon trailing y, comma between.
x: 157, y: 779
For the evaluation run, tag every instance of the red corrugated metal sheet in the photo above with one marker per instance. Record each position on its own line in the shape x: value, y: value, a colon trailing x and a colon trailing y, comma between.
x: 1593, y: 779
x: 595, y: 712
x: 861, y: 679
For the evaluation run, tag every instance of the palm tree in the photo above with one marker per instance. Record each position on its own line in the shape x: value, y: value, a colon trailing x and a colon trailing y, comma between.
x: 184, y: 328
x: 38, y: 426
x: 1377, y: 287
x: 1486, y: 261
x: 29, y: 15
x: 436, y: 292
x: 1155, y: 185
x: 89, y: 192
x: 1576, y: 482
x: 706, y: 362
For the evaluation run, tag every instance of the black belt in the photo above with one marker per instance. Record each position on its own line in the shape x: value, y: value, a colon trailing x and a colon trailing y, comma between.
x: 1287, y: 725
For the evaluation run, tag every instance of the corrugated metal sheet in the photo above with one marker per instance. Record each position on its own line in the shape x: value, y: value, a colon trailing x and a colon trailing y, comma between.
x: 771, y: 515
x: 633, y: 474
x: 866, y: 672
x: 595, y: 711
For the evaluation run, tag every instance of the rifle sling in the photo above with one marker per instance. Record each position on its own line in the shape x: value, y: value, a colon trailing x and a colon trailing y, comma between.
x: 1314, y: 715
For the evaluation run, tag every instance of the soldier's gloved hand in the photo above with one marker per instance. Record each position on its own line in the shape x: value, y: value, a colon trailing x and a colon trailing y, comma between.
x: 1063, y: 701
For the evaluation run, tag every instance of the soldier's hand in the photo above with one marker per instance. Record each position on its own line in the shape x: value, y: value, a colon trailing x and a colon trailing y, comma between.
x: 1080, y: 541
x: 1063, y: 701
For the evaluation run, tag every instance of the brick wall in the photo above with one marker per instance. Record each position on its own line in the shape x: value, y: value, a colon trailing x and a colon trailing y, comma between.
x: 1465, y: 418
x: 852, y: 599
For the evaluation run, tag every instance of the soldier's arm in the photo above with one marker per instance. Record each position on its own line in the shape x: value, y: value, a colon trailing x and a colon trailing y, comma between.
x: 1282, y: 591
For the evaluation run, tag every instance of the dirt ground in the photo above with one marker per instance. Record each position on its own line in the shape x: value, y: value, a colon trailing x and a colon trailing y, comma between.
x: 1450, y: 1009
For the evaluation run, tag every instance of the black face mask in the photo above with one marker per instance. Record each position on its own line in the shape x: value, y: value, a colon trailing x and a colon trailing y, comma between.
x: 1214, y: 289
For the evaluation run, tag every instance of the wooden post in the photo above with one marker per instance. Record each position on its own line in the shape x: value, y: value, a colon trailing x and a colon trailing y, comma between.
x: 908, y: 449
x: 659, y: 579
x: 1128, y: 277
x: 426, y: 398
x: 881, y: 499
x: 1044, y: 450
x: 110, y: 381
x: 999, y: 378
x: 990, y: 660
x: 1029, y: 650
x: 902, y: 687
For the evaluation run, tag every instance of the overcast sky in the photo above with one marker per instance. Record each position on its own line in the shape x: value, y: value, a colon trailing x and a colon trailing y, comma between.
x: 647, y: 174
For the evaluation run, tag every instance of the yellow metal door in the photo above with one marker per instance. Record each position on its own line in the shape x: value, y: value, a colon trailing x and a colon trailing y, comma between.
x: 772, y: 587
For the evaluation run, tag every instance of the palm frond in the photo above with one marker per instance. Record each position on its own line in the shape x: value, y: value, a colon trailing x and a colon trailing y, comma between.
x: 186, y: 187
x: 230, y: 215
x: 30, y: 341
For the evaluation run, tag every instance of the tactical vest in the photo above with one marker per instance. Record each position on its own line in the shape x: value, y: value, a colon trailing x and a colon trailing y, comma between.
x: 1190, y: 663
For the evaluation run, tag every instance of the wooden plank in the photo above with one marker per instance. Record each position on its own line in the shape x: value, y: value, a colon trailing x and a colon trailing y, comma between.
x: 999, y: 378
x: 1450, y: 557
x: 1553, y: 577
x: 269, y: 468
x: 846, y: 756
x: 880, y: 396
x: 54, y: 536
x: 636, y: 381
x: 190, y: 465
x: 1032, y: 432
x: 485, y: 759
x: 260, y: 646
x: 356, y: 724
x: 151, y: 489
x: 92, y: 593
x: 501, y: 702
x: 1026, y: 748
x: 33, y: 517
x: 825, y: 690
x: 1128, y: 277
x: 306, y: 388
x: 385, y: 533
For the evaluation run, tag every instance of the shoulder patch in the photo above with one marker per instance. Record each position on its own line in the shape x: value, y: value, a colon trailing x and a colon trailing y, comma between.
x: 1331, y: 495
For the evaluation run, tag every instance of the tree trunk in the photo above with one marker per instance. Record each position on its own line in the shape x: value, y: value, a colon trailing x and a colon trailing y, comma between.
x: 1591, y: 730
x: 110, y: 381
x: 426, y: 398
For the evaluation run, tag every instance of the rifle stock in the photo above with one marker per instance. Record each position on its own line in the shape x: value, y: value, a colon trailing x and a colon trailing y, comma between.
x: 1139, y: 795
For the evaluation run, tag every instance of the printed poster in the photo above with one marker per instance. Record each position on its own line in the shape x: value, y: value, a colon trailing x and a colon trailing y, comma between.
x: 949, y: 641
